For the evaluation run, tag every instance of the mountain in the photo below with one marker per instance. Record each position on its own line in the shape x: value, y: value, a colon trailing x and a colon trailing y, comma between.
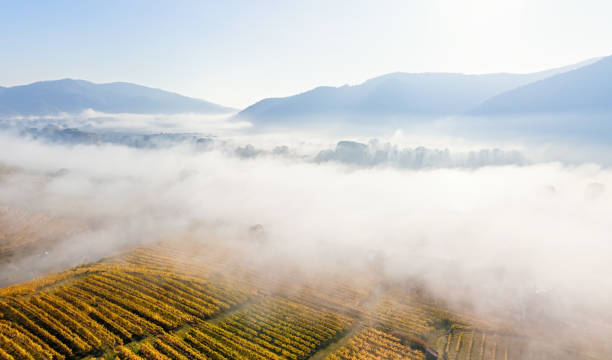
x: 74, y: 96
x: 584, y: 90
x: 428, y: 94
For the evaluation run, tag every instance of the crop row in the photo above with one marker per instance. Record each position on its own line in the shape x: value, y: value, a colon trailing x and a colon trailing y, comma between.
x: 284, y: 327
x: 103, y: 308
x: 374, y: 344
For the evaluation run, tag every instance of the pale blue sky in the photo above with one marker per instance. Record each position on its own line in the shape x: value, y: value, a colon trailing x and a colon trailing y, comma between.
x: 237, y: 52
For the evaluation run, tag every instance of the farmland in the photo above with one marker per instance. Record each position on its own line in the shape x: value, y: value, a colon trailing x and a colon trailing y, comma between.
x: 171, y: 300
x: 142, y: 304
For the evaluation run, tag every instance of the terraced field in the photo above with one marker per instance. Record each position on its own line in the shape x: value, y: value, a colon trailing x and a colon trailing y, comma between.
x: 145, y: 304
x: 171, y: 301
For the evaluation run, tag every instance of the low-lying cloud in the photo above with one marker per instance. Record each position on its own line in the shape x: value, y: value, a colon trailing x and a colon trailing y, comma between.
x: 501, y: 237
x: 91, y: 120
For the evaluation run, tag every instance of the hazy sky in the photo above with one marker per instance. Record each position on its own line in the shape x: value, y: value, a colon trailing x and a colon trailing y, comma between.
x: 237, y: 52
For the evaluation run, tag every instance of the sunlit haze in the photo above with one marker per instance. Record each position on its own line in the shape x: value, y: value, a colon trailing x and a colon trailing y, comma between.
x: 305, y: 180
x: 237, y: 52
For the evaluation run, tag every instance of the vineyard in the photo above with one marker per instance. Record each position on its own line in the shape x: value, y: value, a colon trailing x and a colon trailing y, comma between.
x: 374, y: 344
x: 165, y: 302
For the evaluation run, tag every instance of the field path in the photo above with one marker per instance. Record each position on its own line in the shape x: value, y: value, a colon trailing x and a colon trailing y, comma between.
x: 338, y: 343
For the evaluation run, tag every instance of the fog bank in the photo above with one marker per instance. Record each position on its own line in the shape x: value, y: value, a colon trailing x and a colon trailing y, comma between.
x: 528, y: 241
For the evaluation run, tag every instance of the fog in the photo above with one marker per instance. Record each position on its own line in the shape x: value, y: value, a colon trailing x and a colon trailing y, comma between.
x: 515, y: 235
x: 96, y: 121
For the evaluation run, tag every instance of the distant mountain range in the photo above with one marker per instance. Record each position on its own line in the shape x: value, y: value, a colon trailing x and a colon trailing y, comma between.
x: 74, y: 96
x: 580, y: 88
x: 426, y: 94
x: 581, y: 91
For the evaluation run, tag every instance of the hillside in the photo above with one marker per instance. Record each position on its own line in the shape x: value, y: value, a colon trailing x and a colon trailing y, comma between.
x: 426, y: 94
x: 174, y: 300
x: 74, y: 96
x: 581, y: 91
x: 142, y: 304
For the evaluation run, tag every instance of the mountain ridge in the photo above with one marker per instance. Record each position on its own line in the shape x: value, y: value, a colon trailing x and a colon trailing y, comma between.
x: 52, y: 97
x: 398, y: 93
x: 588, y: 88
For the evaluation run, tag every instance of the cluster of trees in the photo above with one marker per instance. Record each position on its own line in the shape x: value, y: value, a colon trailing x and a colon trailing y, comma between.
x: 384, y: 154
x: 63, y: 134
